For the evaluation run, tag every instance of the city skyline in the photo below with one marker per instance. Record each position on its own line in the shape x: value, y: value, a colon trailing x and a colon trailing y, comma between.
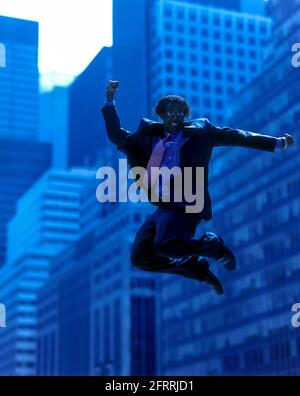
x: 75, y: 304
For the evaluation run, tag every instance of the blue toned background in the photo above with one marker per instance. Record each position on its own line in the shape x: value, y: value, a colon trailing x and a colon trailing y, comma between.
x: 74, y: 304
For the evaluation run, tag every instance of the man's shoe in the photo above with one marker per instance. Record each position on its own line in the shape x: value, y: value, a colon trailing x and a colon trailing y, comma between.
x: 206, y: 276
x: 226, y: 257
x: 212, y: 245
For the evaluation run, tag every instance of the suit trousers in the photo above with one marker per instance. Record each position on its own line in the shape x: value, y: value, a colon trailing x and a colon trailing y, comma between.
x: 165, y: 243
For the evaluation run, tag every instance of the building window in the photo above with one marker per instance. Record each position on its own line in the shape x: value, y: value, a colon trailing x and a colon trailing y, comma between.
x: 230, y: 77
x: 263, y: 28
x: 229, y: 50
x: 228, y: 23
x: 252, y: 41
x: 240, y: 39
x: 217, y: 35
x: 193, y: 30
x: 194, y: 71
x: 242, y: 79
x: 181, y: 84
x: 194, y: 85
x: 217, y: 62
x: 241, y: 52
x: 181, y: 69
x: 240, y: 25
x: 206, y: 73
x: 251, y: 26
x: 219, y: 89
x: 180, y: 42
x: 168, y: 12
x: 241, y: 65
x: 229, y: 63
x: 206, y: 87
x: 228, y: 36
x: 217, y: 21
x: 193, y: 43
x: 253, y: 54
x: 253, y: 67
x: 169, y: 54
x: 204, y: 19
x: 205, y: 60
x: 205, y: 46
x: 169, y: 82
x: 207, y: 102
x: 180, y: 28
x: 204, y: 32
x: 218, y: 76
x: 169, y: 68
x: 192, y: 16
x: 193, y: 57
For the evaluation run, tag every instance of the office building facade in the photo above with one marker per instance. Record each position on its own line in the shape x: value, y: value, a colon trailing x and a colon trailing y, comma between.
x: 19, y: 79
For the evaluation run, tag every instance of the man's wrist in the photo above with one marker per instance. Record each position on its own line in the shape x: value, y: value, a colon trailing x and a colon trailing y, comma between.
x: 284, y: 143
x: 281, y: 144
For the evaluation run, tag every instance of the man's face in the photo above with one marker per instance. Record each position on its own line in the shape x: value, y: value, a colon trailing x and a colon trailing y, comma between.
x: 173, y: 117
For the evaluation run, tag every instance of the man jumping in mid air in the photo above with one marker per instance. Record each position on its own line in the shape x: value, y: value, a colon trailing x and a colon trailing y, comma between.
x: 165, y: 242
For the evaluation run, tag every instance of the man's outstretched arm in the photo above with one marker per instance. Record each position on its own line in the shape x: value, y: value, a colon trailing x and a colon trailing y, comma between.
x: 115, y: 132
x: 237, y: 137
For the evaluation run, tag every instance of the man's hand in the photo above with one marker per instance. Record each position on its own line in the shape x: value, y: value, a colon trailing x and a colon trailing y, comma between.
x: 111, y: 88
x: 289, y: 140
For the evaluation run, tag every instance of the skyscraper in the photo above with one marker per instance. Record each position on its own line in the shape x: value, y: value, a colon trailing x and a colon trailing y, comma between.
x: 54, y: 123
x: 186, y: 48
x: 19, y: 79
x: 204, y: 54
x: 50, y: 216
x: 63, y: 344
x: 124, y: 308
x: 86, y: 128
x: 21, y: 163
x: 22, y: 158
x: 49, y: 213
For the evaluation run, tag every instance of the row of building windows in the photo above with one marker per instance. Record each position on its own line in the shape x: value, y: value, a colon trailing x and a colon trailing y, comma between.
x: 170, y: 82
x: 216, y: 48
x: 240, y: 24
x: 206, y: 88
x: 206, y: 61
x: 257, y: 357
x: 228, y: 37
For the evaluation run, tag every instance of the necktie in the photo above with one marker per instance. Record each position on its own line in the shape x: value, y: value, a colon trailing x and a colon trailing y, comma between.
x: 155, y: 161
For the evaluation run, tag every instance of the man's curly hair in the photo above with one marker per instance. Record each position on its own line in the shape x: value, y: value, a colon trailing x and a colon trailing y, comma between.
x: 165, y: 100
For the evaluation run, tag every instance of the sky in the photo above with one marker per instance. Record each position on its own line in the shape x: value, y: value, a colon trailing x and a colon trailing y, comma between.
x: 71, y: 32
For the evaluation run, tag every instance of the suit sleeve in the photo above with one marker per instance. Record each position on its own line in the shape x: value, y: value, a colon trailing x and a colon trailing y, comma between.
x: 236, y: 137
x: 115, y: 132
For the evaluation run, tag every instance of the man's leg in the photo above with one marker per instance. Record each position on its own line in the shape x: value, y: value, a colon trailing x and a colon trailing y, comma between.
x: 143, y: 256
x: 175, y: 238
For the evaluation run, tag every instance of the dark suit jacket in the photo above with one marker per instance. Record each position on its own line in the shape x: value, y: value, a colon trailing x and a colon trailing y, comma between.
x: 195, y: 151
